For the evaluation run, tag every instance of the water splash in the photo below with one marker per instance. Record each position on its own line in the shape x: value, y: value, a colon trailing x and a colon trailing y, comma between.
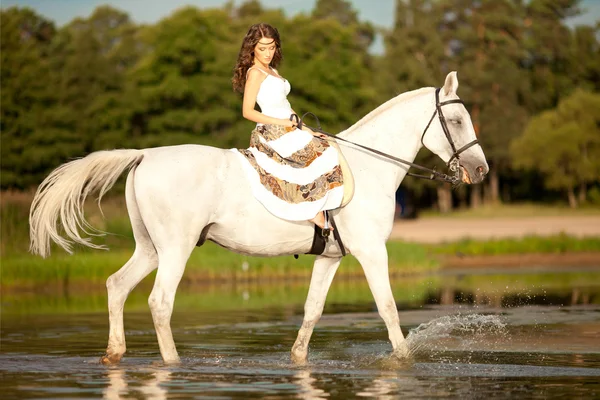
x: 457, y: 332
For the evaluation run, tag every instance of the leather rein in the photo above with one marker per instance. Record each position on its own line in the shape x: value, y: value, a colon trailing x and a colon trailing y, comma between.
x: 453, y: 163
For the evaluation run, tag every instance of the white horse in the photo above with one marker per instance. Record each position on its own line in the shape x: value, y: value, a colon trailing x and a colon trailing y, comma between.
x: 180, y: 196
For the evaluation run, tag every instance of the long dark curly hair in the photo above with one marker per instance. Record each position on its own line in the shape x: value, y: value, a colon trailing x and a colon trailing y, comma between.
x: 246, y: 55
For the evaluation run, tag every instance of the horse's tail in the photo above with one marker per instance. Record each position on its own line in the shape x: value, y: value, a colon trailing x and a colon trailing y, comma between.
x: 62, y: 194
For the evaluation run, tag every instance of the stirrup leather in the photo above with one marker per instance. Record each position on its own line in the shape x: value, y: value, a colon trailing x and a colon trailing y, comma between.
x: 326, y: 229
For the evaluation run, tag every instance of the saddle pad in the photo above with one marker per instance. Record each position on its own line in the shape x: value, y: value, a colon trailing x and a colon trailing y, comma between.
x: 346, y: 173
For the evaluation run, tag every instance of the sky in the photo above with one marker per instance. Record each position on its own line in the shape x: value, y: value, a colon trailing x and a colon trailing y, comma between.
x: 378, y: 12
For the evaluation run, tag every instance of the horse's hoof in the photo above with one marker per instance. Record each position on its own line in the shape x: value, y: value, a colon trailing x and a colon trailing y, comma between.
x: 402, y: 353
x: 299, y: 358
x: 172, y: 361
x: 110, y: 359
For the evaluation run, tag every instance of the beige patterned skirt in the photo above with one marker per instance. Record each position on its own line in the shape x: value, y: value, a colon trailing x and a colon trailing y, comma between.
x: 292, y: 173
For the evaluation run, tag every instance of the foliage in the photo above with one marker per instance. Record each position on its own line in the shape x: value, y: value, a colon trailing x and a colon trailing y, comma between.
x: 564, y: 143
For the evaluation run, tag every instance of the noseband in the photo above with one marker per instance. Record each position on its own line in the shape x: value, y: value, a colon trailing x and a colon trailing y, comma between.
x: 453, y: 163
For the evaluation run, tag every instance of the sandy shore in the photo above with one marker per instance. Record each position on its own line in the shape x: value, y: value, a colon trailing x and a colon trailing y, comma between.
x: 445, y: 229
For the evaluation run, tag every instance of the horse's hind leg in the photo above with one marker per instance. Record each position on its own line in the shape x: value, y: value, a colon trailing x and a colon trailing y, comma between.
x: 121, y: 283
x: 322, y: 275
x: 172, y: 262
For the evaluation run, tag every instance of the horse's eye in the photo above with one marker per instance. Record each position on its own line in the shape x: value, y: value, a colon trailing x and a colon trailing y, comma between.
x: 456, y: 121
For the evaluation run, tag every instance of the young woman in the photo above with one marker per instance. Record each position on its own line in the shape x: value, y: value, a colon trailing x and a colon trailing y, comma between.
x: 294, y: 172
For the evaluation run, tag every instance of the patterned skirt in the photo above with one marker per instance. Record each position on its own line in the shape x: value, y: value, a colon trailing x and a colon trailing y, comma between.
x: 292, y: 173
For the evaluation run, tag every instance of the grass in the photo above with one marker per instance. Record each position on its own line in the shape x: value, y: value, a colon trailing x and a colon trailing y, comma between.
x: 561, y: 243
x: 208, y: 263
x: 212, y: 263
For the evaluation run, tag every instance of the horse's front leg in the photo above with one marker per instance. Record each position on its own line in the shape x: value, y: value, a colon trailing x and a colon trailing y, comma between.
x: 374, y: 260
x: 322, y: 275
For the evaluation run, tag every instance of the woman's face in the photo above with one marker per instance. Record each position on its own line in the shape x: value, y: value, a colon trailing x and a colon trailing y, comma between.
x: 265, y: 50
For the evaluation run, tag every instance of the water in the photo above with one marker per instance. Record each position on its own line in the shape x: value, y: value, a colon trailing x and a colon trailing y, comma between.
x: 472, y: 336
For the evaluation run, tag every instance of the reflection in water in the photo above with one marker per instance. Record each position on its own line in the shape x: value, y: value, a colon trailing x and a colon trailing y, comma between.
x: 386, y: 386
x: 154, y: 389
x: 308, y: 391
x: 151, y: 389
x: 511, y: 297
x: 117, y: 386
x: 497, y: 290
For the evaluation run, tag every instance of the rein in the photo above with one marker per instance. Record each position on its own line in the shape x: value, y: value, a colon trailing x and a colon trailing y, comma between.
x: 453, y: 163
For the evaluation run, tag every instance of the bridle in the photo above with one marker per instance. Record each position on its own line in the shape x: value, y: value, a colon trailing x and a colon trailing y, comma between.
x: 453, y: 164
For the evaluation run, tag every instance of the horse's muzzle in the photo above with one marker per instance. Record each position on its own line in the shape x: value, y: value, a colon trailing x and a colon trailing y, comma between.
x: 476, y: 177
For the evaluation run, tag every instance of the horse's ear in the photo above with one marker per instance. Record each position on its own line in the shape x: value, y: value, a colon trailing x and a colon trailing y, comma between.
x: 451, y: 84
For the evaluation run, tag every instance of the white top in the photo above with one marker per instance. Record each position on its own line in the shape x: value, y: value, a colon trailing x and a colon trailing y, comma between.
x: 272, y: 96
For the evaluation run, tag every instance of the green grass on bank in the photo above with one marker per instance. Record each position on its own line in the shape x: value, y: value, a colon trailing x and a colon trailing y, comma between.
x: 208, y: 263
x: 557, y: 244
x: 212, y: 263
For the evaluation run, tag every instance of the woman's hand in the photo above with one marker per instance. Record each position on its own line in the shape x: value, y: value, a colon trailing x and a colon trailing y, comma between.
x: 288, y: 123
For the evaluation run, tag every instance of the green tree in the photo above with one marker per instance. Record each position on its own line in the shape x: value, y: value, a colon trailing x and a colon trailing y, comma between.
x: 415, y: 51
x: 487, y: 48
x: 585, y: 60
x: 563, y: 144
x: 183, y: 85
x: 416, y: 56
x: 343, y: 12
x: 25, y: 43
x: 90, y: 59
x: 329, y: 69
x: 548, y: 42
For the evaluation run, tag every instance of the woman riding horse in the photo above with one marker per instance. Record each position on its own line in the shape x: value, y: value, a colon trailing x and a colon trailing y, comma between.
x: 293, y: 172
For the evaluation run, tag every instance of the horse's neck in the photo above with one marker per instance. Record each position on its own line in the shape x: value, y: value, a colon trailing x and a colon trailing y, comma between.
x: 395, y: 128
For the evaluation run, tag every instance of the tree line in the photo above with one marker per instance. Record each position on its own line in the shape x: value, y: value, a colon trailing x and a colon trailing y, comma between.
x: 530, y: 82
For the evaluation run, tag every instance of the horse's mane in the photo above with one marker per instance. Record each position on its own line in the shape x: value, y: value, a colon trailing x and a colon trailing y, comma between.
x: 401, y: 98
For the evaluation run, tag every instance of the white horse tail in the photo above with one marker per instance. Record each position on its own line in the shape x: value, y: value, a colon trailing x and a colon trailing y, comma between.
x: 62, y: 194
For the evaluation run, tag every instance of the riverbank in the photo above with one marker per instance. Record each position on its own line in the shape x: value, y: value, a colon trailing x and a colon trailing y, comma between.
x: 451, y: 229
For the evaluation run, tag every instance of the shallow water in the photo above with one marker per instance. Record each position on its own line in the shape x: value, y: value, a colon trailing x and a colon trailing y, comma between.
x: 471, y: 336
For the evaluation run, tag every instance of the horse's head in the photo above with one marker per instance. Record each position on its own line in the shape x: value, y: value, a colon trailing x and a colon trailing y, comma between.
x: 450, y: 134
